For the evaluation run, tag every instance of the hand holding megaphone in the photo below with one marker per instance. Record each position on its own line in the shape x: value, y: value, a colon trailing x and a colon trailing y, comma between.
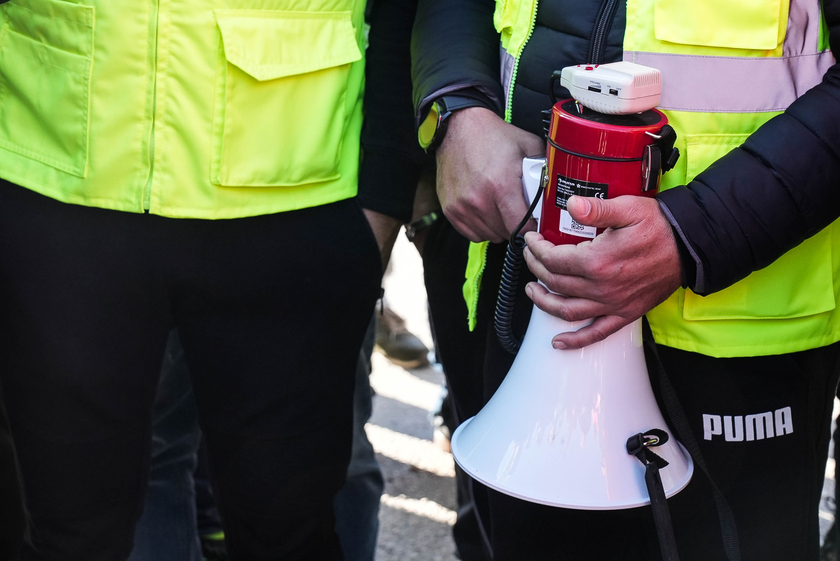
x: 556, y: 431
x: 478, y: 168
x: 615, y: 278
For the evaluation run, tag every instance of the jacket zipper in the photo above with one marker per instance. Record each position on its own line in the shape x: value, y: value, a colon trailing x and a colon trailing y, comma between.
x: 509, y: 105
x: 508, y: 117
x: 598, y: 43
x: 147, y: 191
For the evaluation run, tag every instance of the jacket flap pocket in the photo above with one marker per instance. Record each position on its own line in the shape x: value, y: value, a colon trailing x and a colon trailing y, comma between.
x: 778, y: 291
x: 798, y: 284
x: 746, y: 24
x: 274, y: 44
x: 62, y: 25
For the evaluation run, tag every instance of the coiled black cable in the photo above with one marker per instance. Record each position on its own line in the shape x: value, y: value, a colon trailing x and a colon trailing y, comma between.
x: 507, y: 295
x: 505, y: 303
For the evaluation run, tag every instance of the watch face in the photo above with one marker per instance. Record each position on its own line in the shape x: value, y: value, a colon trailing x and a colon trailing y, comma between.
x: 429, y: 127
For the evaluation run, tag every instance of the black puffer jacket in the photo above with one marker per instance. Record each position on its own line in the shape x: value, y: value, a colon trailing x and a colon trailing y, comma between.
x: 741, y: 214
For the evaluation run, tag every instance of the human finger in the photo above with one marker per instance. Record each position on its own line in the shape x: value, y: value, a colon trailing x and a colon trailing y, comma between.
x: 566, y: 259
x: 603, y: 213
x: 470, y: 225
x: 598, y: 330
x: 567, y: 285
x: 513, y: 210
x: 561, y: 306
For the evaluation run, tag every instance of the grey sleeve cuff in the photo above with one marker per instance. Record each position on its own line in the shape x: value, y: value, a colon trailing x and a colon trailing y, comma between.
x: 698, y: 283
x: 475, y: 91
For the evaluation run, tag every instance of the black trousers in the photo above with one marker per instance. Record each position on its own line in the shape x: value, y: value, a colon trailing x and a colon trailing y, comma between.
x: 12, y: 519
x: 461, y: 352
x: 271, y: 311
x: 772, y: 484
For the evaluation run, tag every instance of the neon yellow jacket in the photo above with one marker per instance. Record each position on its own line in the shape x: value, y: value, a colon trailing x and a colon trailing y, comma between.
x: 188, y: 108
x: 702, y: 47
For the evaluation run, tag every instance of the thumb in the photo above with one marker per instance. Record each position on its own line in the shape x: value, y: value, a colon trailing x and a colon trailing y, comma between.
x: 601, y: 213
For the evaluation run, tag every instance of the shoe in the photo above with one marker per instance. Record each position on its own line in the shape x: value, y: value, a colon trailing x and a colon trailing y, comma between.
x: 213, y: 547
x: 397, y: 343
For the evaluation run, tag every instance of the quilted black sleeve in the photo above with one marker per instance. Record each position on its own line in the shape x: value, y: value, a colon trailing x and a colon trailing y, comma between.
x: 391, y: 157
x: 455, y: 47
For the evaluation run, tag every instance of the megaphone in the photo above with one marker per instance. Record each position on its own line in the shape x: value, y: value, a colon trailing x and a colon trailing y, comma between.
x: 556, y: 431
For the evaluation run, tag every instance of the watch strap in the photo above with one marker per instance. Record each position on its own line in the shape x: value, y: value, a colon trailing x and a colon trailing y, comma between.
x: 441, y: 109
x: 452, y: 103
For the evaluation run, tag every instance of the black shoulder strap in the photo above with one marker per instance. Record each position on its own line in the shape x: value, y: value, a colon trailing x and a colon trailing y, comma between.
x: 676, y: 415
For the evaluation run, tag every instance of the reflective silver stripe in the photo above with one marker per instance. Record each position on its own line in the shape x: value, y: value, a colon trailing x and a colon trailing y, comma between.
x: 802, y: 36
x: 508, y: 62
x: 745, y: 84
x: 734, y: 85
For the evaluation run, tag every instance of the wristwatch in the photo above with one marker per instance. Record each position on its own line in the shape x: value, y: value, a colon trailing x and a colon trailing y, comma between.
x: 433, y: 128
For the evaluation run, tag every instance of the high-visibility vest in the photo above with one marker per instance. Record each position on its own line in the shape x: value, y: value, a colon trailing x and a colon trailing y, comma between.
x: 189, y: 108
x: 727, y: 68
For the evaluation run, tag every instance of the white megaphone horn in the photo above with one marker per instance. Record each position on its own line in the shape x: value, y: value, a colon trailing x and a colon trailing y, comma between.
x: 556, y: 430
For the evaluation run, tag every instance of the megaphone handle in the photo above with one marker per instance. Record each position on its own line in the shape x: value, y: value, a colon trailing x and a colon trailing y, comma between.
x: 533, y: 183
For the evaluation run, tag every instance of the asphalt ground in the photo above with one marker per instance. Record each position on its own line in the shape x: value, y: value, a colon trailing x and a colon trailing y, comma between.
x: 418, y: 505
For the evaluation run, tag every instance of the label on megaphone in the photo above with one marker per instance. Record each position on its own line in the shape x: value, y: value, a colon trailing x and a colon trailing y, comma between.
x: 566, y: 187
